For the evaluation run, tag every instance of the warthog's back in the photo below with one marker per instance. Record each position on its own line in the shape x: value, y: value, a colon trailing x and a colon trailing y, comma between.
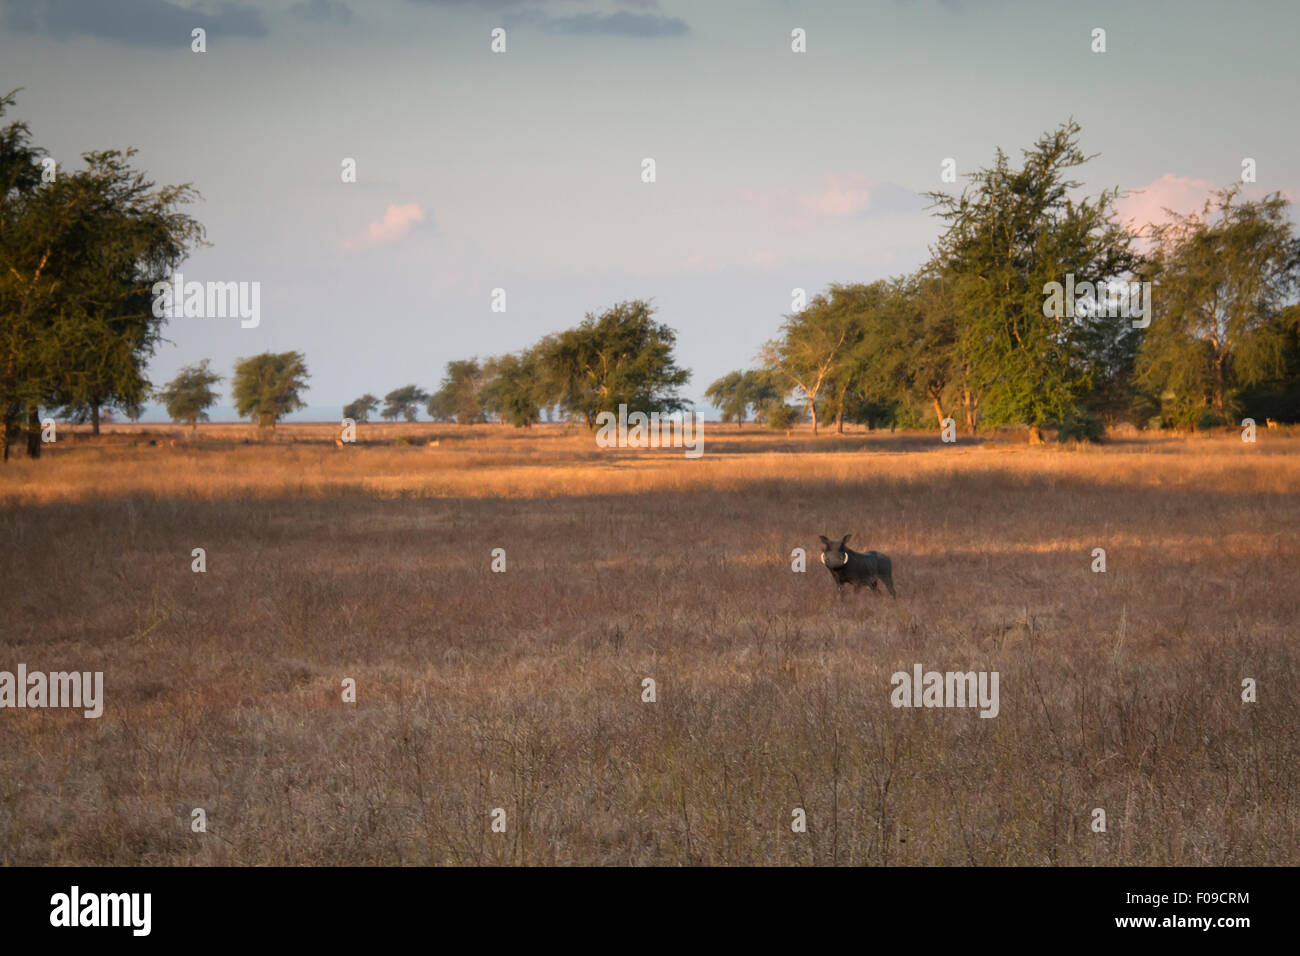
x: 883, y: 566
x: 869, y: 564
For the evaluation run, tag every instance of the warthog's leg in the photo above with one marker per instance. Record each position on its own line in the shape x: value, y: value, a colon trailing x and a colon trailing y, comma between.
x: 889, y: 583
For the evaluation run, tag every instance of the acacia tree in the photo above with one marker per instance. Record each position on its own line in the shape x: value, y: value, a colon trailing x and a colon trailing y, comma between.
x: 1009, y: 233
x: 361, y: 409
x: 512, y: 388
x: 440, y: 407
x: 929, y: 359
x: 620, y: 357
x: 101, y: 366
x: 26, y: 296
x: 189, y: 395
x: 737, y: 393
x: 78, y: 258
x: 1224, y: 277
x: 1278, y: 396
x: 133, y: 237
x: 813, y: 345
x: 269, y: 386
x: 404, y: 402
x: 458, y: 394
x: 727, y: 394
x: 854, y: 383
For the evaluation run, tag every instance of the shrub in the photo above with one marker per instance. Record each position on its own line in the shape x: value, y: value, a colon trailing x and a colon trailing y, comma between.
x: 1211, y: 419
x: 779, y: 415
x: 1081, y: 426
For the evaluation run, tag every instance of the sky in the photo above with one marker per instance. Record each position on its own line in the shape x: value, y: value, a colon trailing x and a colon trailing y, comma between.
x: 523, y: 170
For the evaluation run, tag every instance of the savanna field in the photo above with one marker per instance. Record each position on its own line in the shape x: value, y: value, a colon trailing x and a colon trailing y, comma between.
x: 522, y: 690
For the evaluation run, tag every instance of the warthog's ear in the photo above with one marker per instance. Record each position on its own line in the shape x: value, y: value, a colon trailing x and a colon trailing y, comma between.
x: 844, y: 540
x: 826, y: 542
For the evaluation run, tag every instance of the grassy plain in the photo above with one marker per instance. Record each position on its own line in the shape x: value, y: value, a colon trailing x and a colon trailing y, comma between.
x: 522, y: 690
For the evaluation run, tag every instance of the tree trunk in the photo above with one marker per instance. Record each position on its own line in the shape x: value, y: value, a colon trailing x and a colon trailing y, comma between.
x: 1218, y: 385
x: 94, y: 420
x: 812, y: 408
x: 972, y: 411
x: 839, y: 423
x: 1035, y: 435
x: 938, y: 409
x: 33, y: 432
x: 12, y: 409
x: 9, y: 431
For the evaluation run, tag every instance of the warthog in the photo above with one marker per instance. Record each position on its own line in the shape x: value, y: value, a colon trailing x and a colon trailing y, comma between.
x: 856, y: 567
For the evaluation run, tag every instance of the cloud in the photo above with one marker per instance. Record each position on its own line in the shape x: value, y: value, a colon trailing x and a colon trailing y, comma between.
x: 1147, y: 205
x: 489, y: 4
x: 157, y: 23
x: 621, y: 24
x: 397, y: 222
x: 841, y: 194
x: 506, y: 4
x: 838, y: 196
x: 649, y: 23
x: 323, y: 11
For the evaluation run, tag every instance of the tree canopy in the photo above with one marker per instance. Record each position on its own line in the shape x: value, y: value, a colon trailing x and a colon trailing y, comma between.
x: 269, y: 386
x: 80, y: 252
x: 362, y: 408
x: 404, y: 402
x: 189, y: 395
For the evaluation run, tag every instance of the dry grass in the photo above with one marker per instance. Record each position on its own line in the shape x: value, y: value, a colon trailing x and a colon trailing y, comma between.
x: 522, y: 690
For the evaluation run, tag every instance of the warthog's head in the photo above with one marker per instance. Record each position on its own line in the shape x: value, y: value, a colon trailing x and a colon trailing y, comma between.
x: 833, y: 555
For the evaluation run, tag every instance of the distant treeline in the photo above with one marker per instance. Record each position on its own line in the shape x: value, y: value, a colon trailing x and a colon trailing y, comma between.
x: 1037, y: 307
x: 621, y: 356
